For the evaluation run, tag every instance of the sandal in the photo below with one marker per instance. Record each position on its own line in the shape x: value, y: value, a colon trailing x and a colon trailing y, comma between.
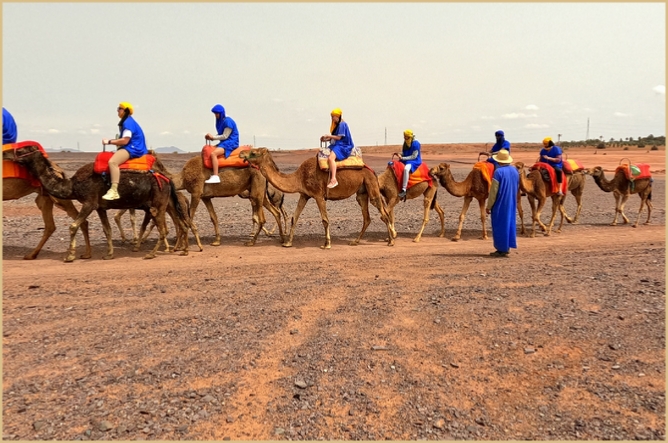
x: 498, y: 254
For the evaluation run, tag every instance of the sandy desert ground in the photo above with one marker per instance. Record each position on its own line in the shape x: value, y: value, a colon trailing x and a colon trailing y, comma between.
x: 434, y: 340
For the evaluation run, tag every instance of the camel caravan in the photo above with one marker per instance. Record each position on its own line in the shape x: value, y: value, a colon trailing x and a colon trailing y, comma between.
x: 134, y: 177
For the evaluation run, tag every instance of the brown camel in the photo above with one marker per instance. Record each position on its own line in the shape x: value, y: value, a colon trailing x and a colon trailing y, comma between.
x: 390, y: 191
x: 576, y: 185
x: 15, y: 188
x: 473, y: 186
x: 138, y: 189
x: 535, y: 188
x: 233, y: 181
x: 311, y: 182
x: 622, y: 188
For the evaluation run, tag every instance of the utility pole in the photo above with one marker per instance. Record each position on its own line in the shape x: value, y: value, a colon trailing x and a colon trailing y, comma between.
x: 253, y: 141
x: 558, y: 138
x: 587, y: 129
x: 385, y: 135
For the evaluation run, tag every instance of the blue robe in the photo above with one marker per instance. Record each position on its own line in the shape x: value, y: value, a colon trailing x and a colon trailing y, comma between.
x: 505, y: 144
x: 137, y: 145
x: 504, y: 223
x: 232, y: 142
x: 9, y: 131
x: 343, y: 147
x: 407, y: 151
x: 554, y: 152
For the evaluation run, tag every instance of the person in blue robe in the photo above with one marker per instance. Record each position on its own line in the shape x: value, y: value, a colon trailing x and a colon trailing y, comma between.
x: 411, y: 157
x: 9, y: 129
x: 501, y: 143
x: 341, y: 144
x: 502, y: 204
x: 228, y: 134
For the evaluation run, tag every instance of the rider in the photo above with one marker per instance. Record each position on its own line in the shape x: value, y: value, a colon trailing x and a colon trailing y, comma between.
x: 551, y: 154
x: 341, y: 144
x: 410, y: 157
x: 228, y: 134
x: 501, y: 143
x: 9, y: 130
x: 131, y: 145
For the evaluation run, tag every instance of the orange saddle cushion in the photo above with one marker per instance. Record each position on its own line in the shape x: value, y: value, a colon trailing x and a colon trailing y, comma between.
x: 11, y: 169
x: 233, y: 161
x: 143, y: 163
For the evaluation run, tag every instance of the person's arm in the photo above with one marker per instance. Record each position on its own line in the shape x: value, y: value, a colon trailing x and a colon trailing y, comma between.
x: 492, y: 195
x: 120, y: 142
x: 413, y: 156
x: 224, y: 136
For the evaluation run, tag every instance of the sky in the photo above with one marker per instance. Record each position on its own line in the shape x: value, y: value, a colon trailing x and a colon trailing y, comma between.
x: 451, y: 72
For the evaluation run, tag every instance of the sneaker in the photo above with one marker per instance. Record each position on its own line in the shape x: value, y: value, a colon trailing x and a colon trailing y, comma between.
x: 402, y: 195
x: 213, y: 179
x: 333, y: 185
x: 111, y: 195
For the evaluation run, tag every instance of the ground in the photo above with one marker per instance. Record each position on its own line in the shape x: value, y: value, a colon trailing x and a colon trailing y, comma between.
x: 565, y: 339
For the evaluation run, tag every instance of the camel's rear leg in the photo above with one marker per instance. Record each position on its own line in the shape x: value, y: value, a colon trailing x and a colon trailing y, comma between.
x: 644, y: 200
x: 425, y: 218
x: 462, y: 216
x: 277, y: 215
x: 389, y: 208
x: 483, y: 218
x: 214, y: 220
x: 86, y: 209
x: 45, y: 205
x: 159, y: 217
x: 71, y: 210
x: 441, y: 216
x: 377, y: 202
x: 322, y: 207
x: 106, y: 227
x: 363, y: 201
x: 295, y: 217
x: 520, y: 210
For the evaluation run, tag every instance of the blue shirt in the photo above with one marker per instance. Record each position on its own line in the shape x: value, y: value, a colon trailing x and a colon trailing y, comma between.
x: 232, y: 142
x: 554, y: 151
x: 505, y: 144
x: 407, y: 151
x: 137, y: 145
x: 9, y: 130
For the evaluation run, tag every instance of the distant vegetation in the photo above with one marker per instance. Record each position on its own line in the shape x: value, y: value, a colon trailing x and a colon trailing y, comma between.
x: 650, y: 142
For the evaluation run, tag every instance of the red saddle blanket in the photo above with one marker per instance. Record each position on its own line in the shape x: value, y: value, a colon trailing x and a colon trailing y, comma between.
x: 553, y: 177
x: 487, y: 170
x: 420, y: 175
x: 635, y: 172
x: 143, y: 163
x: 571, y: 166
x: 11, y: 169
x: 233, y: 161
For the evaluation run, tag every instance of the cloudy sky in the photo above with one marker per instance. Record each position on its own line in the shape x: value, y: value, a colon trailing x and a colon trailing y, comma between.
x: 452, y: 72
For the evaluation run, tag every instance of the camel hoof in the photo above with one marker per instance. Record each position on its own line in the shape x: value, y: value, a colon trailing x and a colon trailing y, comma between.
x: 183, y: 253
x: 634, y: 226
x: 216, y: 243
x: 613, y: 224
x: 647, y: 223
x: 108, y: 257
x: 135, y: 249
x: 249, y: 243
x: 326, y: 247
x: 287, y: 245
x: 441, y: 235
x: 455, y: 238
x: 416, y: 240
x: 149, y: 256
x: 69, y: 259
x: 30, y: 257
x: 85, y: 256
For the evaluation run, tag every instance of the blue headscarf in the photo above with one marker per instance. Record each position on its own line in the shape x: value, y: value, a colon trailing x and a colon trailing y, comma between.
x: 219, y: 121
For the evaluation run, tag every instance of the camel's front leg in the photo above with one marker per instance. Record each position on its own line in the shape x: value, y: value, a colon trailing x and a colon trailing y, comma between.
x: 295, y: 217
x: 622, y: 203
x: 539, y: 211
x: 483, y: 218
x: 214, y: 220
x: 441, y: 216
x: 106, y: 227
x: 117, y: 220
x: 556, y: 204
x: 520, y: 210
x: 462, y: 216
x: 86, y: 209
x: 258, y: 218
x: 68, y: 206
x: 363, y: 201
x: 159, y: 218
x: 277, y: 215
x: 377, y: 202
x: 578, y: 199
x: 532, y: 205
x: 45, y: 205
x: 389, y: 208
x: 425, y: 218
x: 648, y: 202
x: 322, y: 207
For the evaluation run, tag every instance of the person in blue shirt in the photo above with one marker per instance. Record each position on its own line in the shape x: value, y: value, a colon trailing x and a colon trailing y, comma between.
x: 9, y: 129
x: 341, y: 144
x: 502, y: 204
x: 551, y: 154
x: 228, y: 134
x: 131, y: 144
x: 410, y: 157
x: 501, y: 143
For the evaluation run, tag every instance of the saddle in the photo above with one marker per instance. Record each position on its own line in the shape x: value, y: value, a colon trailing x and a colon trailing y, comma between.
x: 143, y: 163
x: 487, y: 170
x: 355, y: 160
x: 571, y: 166
x: 420, y: 175
x: 635, y: 172
x: 550, y: 177
x: 11, y: 169
x: 233, y: 161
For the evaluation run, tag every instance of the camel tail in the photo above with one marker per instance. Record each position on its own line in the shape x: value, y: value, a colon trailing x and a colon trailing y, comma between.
x: 433, y: 202
x: 175, y: 201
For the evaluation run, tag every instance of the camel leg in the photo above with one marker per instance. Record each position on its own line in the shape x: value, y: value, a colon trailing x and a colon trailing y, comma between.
x: 363, y: 201
x: 86, y: 209
x: 648, y: 202
x: 441, y: 216
x: 389, y: 208
x: 160, y: 222
x: 258, y: 217
x: 377, y: 202
x: 298, y: 210
x: 555, y: 205
x: 142, y: 229
x: 532, y: 205
x: 520, y: 210
x: 425, y: 218
x: 622, y: 203
x: 214, y: 219
x: 45, y: 205
x: 322, y: 207
x: 117, y: 220
x: 539, y: 210
x: 106, y: 227
x: 578, y: 199
x: 68, y: 207
x: 277, y: 215
x: 483, y: 218
x: 462, y: 216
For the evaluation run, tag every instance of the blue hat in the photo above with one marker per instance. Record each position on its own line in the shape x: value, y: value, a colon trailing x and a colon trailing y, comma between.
x: 500, y: 133
x: 219, y: 108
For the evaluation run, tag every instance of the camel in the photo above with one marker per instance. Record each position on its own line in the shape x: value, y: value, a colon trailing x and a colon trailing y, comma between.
x: 576, y: 184
x: 233, y: 181
x: 311, y: 182
x: 535, y: 188
x: 473, y: 186
x: 620, y: 186
x: 16, y: 188
x: 389, y: 189
x: 138, y: 189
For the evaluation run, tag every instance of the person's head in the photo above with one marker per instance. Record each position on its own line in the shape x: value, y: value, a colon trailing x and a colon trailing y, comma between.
x: 408, y: 136
x: 218, y: 111
x: 124, y: 109
x: 499, y: 135
x: 336, y: 115
x: 503, y: 157
x: 547, y: 142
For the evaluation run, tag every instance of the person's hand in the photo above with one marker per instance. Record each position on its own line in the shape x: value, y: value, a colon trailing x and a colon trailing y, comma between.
x: 324, y: 138
x: 105, y: 141
x: 488, y: 211
x: 208, y: 136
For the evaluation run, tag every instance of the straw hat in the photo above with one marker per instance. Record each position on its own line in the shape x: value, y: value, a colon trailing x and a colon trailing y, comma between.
x: 503, y: 157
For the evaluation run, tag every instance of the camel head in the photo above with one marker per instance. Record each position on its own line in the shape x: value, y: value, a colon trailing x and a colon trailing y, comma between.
x: 519, y: 165
x: 595, y: 172
x: 22, y: 154
x: 253, y: 155
x: 439, y: 171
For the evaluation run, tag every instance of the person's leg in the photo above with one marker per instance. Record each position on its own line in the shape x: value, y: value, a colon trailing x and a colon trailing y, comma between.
x: 404, y: 184
x: 214, y: 165
x: 332, y: 170
x: 558, y: 172
x: 119, y: 157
